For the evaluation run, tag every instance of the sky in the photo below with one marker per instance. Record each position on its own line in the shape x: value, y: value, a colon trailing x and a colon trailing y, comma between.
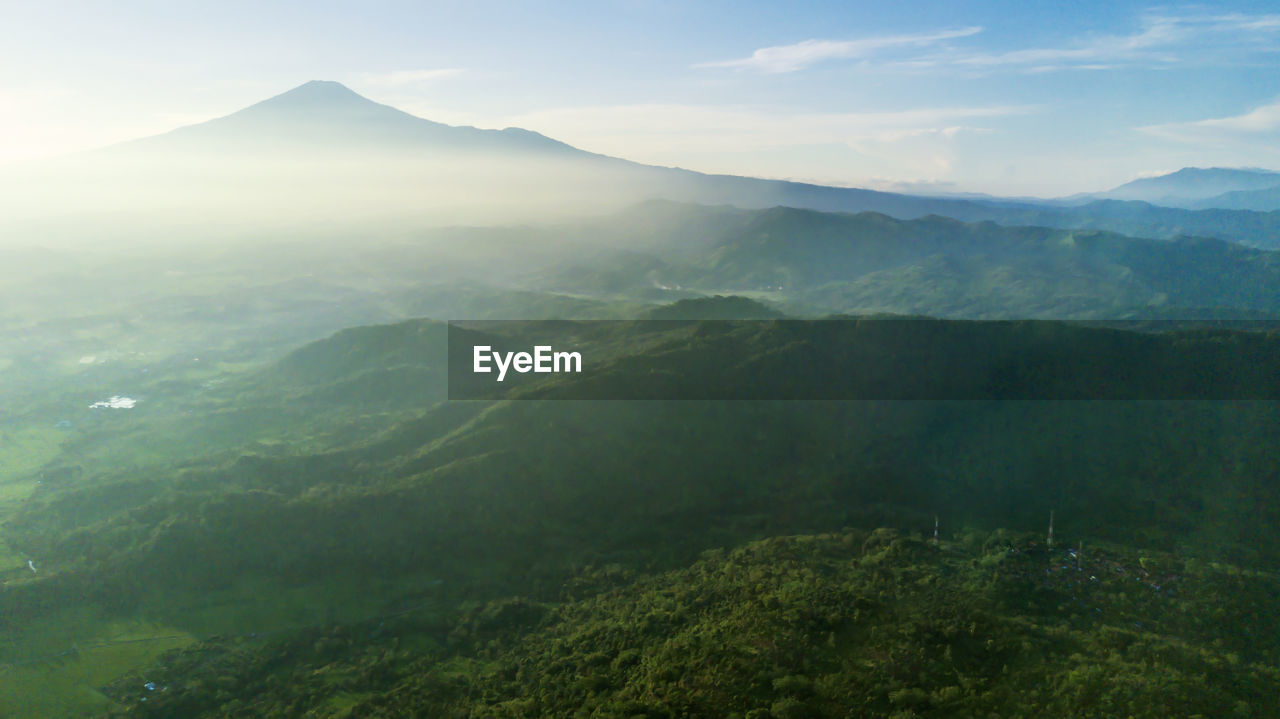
x: 1008, y: 98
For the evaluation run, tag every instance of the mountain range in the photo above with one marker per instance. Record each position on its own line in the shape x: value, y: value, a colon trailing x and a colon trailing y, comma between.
x: 1201, y: 188
x: 870, y: 262
x: 321, y: 154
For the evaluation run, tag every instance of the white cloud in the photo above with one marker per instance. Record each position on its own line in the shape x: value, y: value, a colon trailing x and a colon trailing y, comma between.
x: 1227, y: 23
x: 1087, y: 53
x: 1161, y: 40
x: 789, y: 58
x: 1257, y: 124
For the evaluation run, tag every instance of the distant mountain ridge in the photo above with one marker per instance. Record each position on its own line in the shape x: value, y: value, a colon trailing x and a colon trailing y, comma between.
x: 938, y: 266
x: 1195, y: 183
x: 1265, y: 200
x: 323, y: 111
x: 1205, y: 188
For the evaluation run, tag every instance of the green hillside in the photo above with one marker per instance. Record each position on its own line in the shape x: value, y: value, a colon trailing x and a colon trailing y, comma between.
x: 409, y: 556
x: 852, y: 623
x: 937, y: 266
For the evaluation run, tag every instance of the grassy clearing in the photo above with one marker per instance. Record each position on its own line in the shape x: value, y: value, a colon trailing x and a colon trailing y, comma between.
x: 55, y: 666
x: 67, y: 686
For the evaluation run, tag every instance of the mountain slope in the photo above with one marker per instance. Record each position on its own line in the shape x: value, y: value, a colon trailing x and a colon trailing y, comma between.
x: 932, y: 265
x: 432, y: 520
x: 528, y: 477
x: 1264, y: 200
x: 871, y: 623
x: 1191, y: 186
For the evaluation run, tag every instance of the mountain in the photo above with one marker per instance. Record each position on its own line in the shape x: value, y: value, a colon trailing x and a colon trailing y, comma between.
x: 870, y: 262
x: 325, y: 116
x: 1139, y: 219
x: 316, y: 157
x: 1190, y: 187
x: 1263, y: 200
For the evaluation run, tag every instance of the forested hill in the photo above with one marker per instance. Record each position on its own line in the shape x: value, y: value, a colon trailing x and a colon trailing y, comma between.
x: 870, y: 262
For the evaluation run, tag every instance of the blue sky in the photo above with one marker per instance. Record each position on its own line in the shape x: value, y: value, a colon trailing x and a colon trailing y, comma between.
x: 1001, y: 97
